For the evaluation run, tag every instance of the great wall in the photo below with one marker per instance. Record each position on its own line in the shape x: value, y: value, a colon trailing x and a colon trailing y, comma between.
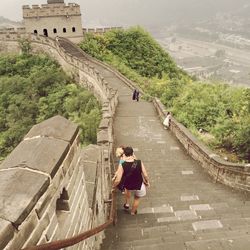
x: 51, y: 188
x: 55, y: 194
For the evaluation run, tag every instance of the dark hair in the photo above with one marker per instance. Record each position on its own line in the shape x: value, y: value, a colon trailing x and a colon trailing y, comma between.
x: 128, y: 151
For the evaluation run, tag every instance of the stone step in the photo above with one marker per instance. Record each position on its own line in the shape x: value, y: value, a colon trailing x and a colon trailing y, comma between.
x: 164, y: 236
x: 234, y: 243
x: 155, y: 246
x: 71, y: 49
x: 211, y: 235
x: 131, y: 244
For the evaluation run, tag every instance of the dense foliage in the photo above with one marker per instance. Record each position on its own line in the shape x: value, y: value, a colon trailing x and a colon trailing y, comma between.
x: 221, y: 111
x: 34, y: 88
x: 135, y: 54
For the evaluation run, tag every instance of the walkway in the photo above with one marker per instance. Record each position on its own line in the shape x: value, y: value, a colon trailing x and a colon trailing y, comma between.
x: 184, y: 209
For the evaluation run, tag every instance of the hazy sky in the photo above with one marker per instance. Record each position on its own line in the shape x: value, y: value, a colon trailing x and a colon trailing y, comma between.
x: 132, y: 12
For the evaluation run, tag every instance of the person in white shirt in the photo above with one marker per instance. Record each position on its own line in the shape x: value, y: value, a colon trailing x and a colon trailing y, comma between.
x: 167, y: 120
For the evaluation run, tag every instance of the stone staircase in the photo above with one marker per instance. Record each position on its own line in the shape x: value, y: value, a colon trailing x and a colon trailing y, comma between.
x: 71, y: 49
x: 184, y: 209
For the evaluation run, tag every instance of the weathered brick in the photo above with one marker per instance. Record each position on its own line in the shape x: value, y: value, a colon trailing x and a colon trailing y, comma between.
x: 36, y: 235
x: 69, y: 157
x: 52, y: 227
x: 24, y: 231
x: 76, y: 177
x: 48, y: 201
x: 6, y: 232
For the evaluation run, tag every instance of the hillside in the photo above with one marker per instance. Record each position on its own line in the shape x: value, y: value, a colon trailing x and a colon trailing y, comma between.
x: 220, y: 110
x: 135, y: 53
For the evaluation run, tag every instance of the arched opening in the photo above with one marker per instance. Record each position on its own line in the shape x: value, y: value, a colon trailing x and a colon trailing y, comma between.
x: 35, y: 32
x: 73, y: 29
x: 45, y: 32
x: 62, y: 206
x: 64, y: 30
x: 63, y: 202
x: 55, y: 31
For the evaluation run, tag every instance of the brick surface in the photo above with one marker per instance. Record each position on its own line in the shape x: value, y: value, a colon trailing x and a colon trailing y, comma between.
x: 6, y: 232
x: 176, y: 181
x: 19, y: 197
x: 209, y: 224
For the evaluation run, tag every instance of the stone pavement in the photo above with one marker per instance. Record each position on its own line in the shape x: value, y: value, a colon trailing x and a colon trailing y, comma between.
x: 184, y: 209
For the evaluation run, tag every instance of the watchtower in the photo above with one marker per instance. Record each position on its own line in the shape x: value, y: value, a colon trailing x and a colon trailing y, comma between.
x: 54, y: 19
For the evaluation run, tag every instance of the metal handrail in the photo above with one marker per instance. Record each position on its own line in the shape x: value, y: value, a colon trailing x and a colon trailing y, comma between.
x: 59, y: 244
x: 55, y: 245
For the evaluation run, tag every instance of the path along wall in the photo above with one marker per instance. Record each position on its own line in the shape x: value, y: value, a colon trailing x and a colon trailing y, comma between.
x: 233, y: 175
x: 50, y: 188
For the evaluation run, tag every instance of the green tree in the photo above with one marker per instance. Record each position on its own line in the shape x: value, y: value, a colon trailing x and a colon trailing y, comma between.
x: 34, y: 88
x: 25, y: 46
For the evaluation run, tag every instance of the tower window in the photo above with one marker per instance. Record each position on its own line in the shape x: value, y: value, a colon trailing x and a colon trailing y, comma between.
x: 55, y: 31
x: 64, y: 30
x: 73, y: 29
x: 63, y: 202
x: 45, y: 32
x: 35, y: 32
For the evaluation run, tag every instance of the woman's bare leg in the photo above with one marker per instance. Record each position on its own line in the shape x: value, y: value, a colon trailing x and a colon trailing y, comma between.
x: 135, y: 205
x: 127, y: 197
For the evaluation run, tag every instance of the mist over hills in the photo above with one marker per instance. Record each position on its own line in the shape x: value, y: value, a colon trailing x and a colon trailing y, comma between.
x: 145, y: 13
x: 6, y: 23
x: 160, y: 12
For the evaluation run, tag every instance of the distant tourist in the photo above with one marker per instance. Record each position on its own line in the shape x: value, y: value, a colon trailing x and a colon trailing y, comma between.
x: 135, y: 179
x: 167, y: 120
x: 135, y: 95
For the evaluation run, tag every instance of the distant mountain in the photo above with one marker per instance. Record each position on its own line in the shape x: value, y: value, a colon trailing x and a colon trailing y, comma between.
x: 6, y: 23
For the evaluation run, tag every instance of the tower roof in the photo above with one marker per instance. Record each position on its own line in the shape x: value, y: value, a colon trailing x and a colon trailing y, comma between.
x: 55, y: 1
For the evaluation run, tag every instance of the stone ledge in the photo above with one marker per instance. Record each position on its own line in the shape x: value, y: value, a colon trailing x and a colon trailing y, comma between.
x: 102, y: 137
x: 56, y: 127
x: 6, y: 232
x: 42, y: 154
x: 20, y: 190
x: 104, y: 124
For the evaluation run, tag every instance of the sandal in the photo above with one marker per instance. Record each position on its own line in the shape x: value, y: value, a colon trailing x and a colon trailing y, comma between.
x: 126, y: 206
x: 134, y: 212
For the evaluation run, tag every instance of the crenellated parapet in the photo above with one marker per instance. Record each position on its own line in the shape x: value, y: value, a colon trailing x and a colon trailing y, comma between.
x: 47, y: 10
x: 19, y: 30
x: 100, y: 30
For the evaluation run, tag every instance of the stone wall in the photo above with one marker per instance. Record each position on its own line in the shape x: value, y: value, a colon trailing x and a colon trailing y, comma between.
x: 54, y: 20
x: 19, y: 30
x: 233, y: 175
x: 100, y: 30
x: 51, y: 188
